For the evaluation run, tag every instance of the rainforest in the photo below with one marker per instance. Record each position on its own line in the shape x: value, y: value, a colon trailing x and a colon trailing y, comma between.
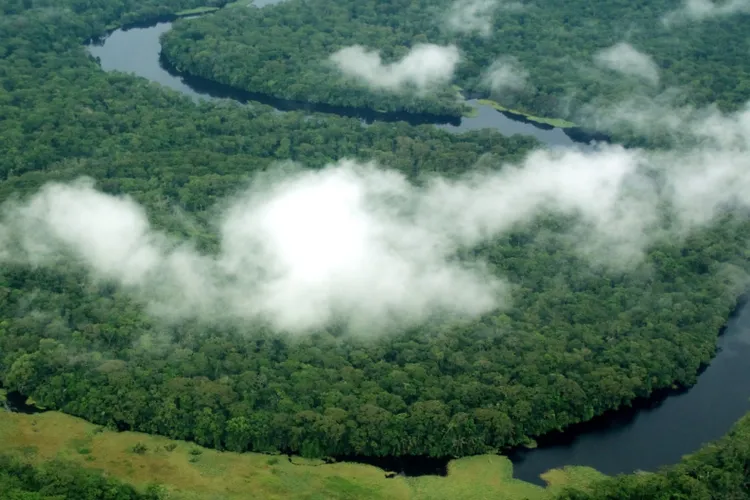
x: 314, y: 233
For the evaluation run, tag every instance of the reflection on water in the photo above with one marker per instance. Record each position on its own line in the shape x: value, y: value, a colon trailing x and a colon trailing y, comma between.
x: 137, y: 51
x: 659, y: 431
x: 488, y: 117
x: 652, y: 434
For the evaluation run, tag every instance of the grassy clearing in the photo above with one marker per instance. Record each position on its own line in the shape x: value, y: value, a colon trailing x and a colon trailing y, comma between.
x: 571, y: 476
x: 555, y: 122
x: 189, y: 472
x: 196, y: 11
x: 476, y: 478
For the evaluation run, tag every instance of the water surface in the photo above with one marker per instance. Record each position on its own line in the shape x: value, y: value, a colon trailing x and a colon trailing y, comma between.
x: 658, y: 431
x: 651, y: 434
x: 137, y: 51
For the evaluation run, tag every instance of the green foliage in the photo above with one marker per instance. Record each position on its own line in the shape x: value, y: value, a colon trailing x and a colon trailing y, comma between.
x: 555, y: 122
x: 87, y: 19
x: 196, y: 11
x: 577, y: 341
x: 282, y: 50
x: 718, y: 471
x: 139, y: 448
x: 58, y: 480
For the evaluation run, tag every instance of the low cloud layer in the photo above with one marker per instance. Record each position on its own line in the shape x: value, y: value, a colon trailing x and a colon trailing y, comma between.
x: 424, y: 67
x: 357, y: 244
x: 625, y: 59
x: 350, y: 244
x: 693, y: 10
x: 506, y: 73
x: 475, y: 16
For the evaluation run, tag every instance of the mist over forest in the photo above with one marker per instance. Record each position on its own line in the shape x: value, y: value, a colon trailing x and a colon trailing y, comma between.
x: 362, y: 244
x: 304, y: 283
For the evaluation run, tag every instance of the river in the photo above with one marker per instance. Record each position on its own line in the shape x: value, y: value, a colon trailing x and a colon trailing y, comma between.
x: 660, y: 430
x: 16, y: 402
x: 137, y: 50
x: 651, y: 434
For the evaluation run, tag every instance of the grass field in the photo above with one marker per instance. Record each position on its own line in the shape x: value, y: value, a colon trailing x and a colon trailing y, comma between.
x: 189, y: 472
x: 555, y: 122
x: 196, y: 11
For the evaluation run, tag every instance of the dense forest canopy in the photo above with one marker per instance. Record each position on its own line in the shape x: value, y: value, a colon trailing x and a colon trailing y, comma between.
x: 578, y: 340
x: 59, y: 480
x: 717, y: 471
x: 540, y: 57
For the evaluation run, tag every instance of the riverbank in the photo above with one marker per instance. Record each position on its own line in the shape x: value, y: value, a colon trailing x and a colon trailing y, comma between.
x: 190, y: 472
x: 660, y: 429
x: 574, y: 131
x: 152, y: 19
x: 552, y: 122
x: 544, y: 122
x: 465, y: 109
x: 206, y: 88
x: 508, y: 121
x: 198, y: 11
x: 618, y: 427
x: 468, y: 111
x: 115, y: 52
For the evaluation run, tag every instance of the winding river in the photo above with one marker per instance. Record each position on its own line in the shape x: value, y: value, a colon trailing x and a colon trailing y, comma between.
x: 137, y: 50
x: 658, y: 431
x: 648, y: 435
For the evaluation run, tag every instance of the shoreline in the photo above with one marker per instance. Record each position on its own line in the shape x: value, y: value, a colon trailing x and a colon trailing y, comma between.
x: 576, y: 133
x: 655, y: 396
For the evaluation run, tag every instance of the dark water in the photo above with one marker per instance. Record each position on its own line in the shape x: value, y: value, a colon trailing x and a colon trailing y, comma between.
x: 658, y: 431
x: 137, y: 50
x: 16, y: 402
x: 650, y: 434
x: 402, y: 466
x: 488, y: 117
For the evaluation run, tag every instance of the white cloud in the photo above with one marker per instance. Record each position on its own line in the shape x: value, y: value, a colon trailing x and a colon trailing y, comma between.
x: 358, y: 244
x: 424, y: 67
x: 468, y: 16
x: 111, y: 233
x: 625, y: 59
x: 299, y: 253
x: 506, y: 73
x: 704, y: 9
